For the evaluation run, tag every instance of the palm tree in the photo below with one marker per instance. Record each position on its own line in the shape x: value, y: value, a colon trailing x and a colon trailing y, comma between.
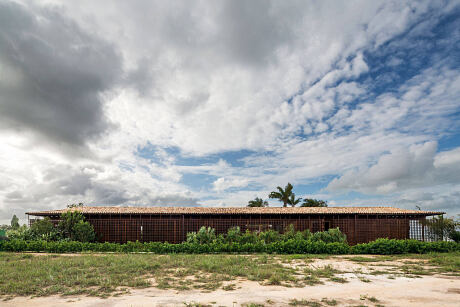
x: 282, y: 195
x: 293, y: 201
x: 257, y: 202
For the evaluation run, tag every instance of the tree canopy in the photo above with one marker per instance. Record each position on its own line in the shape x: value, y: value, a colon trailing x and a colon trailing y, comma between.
x: 15, y: 222
x: 294, y: 201
x: 257, y: 202
x: 282, y: 195
x: 309, y: 202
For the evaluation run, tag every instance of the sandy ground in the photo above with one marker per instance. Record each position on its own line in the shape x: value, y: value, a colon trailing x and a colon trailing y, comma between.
x: 432, y: 290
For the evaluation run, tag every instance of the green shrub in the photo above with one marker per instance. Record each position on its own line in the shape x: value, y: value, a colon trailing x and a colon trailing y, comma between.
x: 203, y: 236
x: 233, y: 234
x: 72, y: 226
x: 291, y: 246
x: 269, y: 236
x: 329, y: 236
x: 84, y: 232
x: 44, y: 230
x: 455, y: 235
x: 20, y: 233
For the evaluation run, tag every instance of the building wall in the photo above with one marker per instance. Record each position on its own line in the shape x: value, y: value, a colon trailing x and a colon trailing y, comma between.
x: 174, y: 228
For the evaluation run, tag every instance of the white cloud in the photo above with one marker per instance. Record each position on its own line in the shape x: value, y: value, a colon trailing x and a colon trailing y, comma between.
x: 211, y: 77
x: 403, y: 169
x: 222, y: 184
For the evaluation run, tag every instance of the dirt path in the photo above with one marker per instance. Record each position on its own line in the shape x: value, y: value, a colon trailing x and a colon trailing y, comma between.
x: 429, y: 290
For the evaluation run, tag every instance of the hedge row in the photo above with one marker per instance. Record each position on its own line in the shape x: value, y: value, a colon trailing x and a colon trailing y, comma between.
x: 380, y: 246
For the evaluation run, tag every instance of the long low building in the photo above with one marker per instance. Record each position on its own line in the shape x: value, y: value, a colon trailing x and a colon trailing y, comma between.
x: 171, y: 224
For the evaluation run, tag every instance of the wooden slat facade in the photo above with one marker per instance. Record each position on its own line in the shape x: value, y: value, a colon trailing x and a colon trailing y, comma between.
x: 173, y: 228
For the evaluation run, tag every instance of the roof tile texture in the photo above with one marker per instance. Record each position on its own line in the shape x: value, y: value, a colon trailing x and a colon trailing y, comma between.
x: 239, y: 210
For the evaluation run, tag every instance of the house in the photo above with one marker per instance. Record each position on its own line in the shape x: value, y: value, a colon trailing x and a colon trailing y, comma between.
x: 171, y: 224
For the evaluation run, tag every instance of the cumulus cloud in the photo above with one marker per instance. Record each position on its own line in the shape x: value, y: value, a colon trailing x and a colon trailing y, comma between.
x: 309, y: 91
x: 402, y: 169
x: 53, y: 75
x: 222, y: 184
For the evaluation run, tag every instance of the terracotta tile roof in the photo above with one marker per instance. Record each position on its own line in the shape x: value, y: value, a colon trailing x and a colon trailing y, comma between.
x: 239, y: 210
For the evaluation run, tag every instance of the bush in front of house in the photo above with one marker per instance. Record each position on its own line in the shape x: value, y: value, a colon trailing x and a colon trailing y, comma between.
x: 393, y: 246
x: 72, y: 227
x: 290, y: 246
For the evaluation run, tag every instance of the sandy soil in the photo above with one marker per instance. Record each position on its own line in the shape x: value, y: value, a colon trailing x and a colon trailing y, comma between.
x: 434, y: 290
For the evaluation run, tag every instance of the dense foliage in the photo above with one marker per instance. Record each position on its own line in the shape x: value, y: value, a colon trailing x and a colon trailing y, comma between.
x: 290, y: 246
x: 72, y: 227
x: 234, y: 235
x: 15, y: 222
x: 235, y: 241
x: 309, y: 202
x: 257, y: 202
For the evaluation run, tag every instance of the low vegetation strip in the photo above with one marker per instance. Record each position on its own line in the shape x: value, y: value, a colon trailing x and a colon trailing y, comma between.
x: 290, y: 246
x: 115, y: 274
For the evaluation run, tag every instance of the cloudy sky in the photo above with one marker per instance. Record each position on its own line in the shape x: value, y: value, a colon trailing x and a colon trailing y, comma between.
x: 213, y: 103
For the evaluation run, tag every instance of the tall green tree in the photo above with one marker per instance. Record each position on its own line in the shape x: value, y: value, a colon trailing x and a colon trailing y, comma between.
x: 15, y: 222
x: 44, y: 229
x: 294, y: 201
x: 309, y: 202
x: 72, y: 225
x: 257, y: 202
x: 282, y: 195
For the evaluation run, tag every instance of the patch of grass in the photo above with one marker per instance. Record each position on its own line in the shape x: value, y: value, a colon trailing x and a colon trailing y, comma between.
x: 414, y: 270
x: 378, y: 272
x: 313, y: 276
x: 229, y: 287
x: 338, y: 279
x: 193, y: 304
x: 329, y: 302
x: 105, y: 274
x: 101, y: 275
x: 444, y: 263
x: 372, y: 299
x: 362, y: 259
x: 253, y: 305
x: 374, y: 258
x: 364, y: 279
x: 304, y: 302
x: 303, y: 256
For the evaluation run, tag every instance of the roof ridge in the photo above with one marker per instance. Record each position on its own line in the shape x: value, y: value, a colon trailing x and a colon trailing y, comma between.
x: 236, y: 210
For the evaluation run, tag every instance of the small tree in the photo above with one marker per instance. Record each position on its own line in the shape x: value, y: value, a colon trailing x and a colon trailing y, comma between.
x: 15, y: 222
x: 43, y: 228
x: 257, y: 202
x: 84, y: 232
x: 309, y: 202
x: 73, y: 226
